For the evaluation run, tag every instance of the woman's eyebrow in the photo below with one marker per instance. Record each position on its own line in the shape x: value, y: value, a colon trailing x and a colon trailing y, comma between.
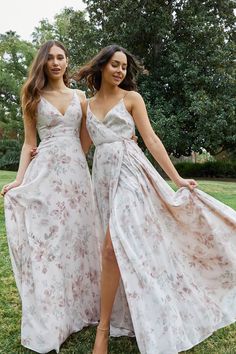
x: 56, y: 55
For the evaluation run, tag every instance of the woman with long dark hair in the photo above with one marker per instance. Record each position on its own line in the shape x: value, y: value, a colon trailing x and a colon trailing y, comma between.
x: 169, y: 256
x: 49, y: 210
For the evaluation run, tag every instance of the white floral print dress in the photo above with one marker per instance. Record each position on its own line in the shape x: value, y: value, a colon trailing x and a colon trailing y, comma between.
x: 52, y: 235
x: 176, y: 250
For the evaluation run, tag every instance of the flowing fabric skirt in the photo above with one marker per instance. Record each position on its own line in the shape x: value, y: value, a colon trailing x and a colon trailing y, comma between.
x: 54, y: 253
x: 176, y: 253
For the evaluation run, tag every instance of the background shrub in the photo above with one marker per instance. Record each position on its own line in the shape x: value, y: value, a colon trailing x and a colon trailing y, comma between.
x: 10, y: 150
x: 211, y: 169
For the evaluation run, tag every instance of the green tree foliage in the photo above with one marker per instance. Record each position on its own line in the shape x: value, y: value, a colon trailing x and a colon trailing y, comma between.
x: 15, y: 58
x: 188, y: 48
x: 74, y: 30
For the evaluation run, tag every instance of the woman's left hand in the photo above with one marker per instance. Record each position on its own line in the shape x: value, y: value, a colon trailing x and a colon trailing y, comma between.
x: 189, y: 183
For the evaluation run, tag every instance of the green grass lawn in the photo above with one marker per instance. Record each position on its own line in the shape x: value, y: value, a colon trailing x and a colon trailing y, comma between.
x: 221, y: 342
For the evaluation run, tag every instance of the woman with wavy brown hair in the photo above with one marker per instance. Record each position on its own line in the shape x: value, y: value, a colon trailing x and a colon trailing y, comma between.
x: 169, y: 255
x: 49, y: 210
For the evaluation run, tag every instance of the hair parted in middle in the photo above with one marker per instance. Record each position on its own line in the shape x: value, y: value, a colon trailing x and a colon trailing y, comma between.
x: 92, y: 71
x: 37, y: 78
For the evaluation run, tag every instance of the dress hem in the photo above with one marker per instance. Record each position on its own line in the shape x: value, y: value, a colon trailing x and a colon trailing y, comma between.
x: 58, y: 349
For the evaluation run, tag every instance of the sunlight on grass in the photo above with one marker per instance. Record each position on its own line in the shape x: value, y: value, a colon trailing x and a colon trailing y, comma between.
x: 223, y: 191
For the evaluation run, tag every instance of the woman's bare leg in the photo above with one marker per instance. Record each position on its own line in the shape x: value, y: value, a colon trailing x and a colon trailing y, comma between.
x: 110, y: 278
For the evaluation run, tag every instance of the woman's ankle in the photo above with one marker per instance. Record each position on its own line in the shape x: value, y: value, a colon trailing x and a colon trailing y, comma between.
x: 103, y: 326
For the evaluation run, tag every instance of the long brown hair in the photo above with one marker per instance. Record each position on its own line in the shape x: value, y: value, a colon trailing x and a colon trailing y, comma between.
x: 37, y: 79
x: 91, y: 71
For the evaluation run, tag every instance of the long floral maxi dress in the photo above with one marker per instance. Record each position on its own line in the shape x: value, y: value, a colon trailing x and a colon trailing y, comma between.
x: 176, y: 250
x: 51, y: 234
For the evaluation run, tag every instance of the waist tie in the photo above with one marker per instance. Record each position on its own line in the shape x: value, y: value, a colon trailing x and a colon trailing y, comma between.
x: 124, y: 141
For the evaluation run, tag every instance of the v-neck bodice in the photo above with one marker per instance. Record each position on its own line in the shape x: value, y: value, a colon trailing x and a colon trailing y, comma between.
x: 52, y: 123
x: 102, y: 120
x: 117, y: 125
x: 55, y: 108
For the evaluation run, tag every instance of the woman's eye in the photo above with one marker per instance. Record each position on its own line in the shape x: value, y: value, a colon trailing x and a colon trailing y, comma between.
x: 57, y: 58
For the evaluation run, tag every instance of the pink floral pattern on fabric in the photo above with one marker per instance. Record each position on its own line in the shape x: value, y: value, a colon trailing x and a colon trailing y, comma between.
x: 176, y: 251
x: 52, y: 235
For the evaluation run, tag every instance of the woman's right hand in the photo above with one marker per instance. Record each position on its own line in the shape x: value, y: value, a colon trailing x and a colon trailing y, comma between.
x: 134, y: 138
x: 188, y: 183
x: 9, y: 186
x: 33, y: 153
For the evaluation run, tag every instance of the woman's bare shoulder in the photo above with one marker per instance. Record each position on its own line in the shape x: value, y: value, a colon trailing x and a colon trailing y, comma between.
x: 81, y: 95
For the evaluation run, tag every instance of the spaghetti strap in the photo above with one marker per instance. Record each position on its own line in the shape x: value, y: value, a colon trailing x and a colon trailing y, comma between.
x: 126, y: 94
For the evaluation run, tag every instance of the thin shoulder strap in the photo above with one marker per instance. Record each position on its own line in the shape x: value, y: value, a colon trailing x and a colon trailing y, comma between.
x: 75, y: 93
x: 87, y: 104
x: 126, y: 94
x: 78, y: 94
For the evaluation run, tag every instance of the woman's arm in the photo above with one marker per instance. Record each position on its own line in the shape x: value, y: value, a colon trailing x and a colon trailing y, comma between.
x: 30, y: 142
x: 152, y: 142
x: 85, y: 139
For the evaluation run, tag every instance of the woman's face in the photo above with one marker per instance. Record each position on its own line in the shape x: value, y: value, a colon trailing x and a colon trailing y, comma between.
x: 115, y: 70
x: 56, y: 64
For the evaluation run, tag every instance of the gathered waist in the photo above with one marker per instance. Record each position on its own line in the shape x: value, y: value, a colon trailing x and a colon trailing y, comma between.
x: 59, y: 140
x: 59, y: 136
x: 122, y: 141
